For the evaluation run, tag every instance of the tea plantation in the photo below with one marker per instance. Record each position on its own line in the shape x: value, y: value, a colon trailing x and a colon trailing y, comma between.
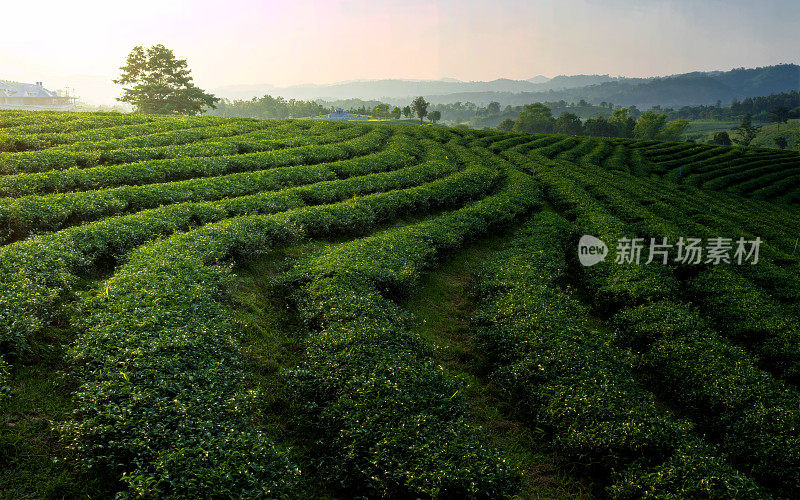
x: 212, y: 308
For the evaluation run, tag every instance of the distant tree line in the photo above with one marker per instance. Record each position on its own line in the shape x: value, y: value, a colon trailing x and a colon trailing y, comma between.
x: 759, y: 108
x: 538, y: 118
x: 267, y: 107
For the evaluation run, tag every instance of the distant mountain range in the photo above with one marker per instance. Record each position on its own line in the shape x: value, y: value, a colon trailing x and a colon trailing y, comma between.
x: 675, y: 90
x: 402, y: 89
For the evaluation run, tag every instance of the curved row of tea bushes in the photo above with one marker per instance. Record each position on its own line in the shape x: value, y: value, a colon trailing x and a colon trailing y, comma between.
x: 536, y: 141
x: 561, y: 374
x: 44, y: 123
x: 688, y: 205
x: 161, y: 402
x: 231, y: 139
x: 10, y: 119
x: 613, y: 285
x: 552, y: 150
x: 388, y: 422
x: 737, y: 307
x: 21, y: 216
x: 755, y: 176
x: 755, y: 418
x: 178, y: 136
x: 23, y: 142
x: 39, y: 273
x: 149, y: 172
x: 602, y: 151
x: 583, y: 148
x: 714, y: 382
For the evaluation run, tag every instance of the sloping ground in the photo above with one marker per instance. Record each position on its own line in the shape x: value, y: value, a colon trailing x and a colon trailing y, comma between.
x: 120, y: 240
x: 762, y: 174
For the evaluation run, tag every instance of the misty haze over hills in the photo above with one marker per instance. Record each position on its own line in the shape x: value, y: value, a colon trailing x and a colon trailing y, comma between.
x: 401, y: 89
x: 675, y: 90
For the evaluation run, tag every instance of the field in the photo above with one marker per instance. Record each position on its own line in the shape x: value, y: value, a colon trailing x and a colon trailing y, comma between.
x: 704, y: 130
x: 210, y: 307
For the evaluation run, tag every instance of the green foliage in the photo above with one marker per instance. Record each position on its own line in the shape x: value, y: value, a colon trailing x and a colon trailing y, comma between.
x: 650, y: 125
x: 161, y: 83
x: 506, y: 125
x: 381, y: 111
x: 569, y: 124
x: 535, y: 118
x: 721, y: 139
x: 668, y: 381
x: 420, y: 107
x: 266, y: 107
x: 746, y: 132
x: 563, y: 375
x: 368, y: 387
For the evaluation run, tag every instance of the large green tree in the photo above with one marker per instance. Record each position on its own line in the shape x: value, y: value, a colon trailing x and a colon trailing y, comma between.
x: 746, y: 132
x: 721, y: 138
x: 779, y: 114
x: 161, y: 84
x: 568, y: 123
x: 650, y: 125
x: 674, y: 130
x: 420, y: 107
x: 434, y: 116
x: 622, y: 122
x: 535, y: 118
x: 381, y: 111
x: 506, y: 125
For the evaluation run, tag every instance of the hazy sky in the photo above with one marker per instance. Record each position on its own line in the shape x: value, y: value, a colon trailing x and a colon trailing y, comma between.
x: 229, y: 42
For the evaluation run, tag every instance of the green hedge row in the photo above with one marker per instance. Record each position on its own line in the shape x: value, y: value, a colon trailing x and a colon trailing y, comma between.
x: 564, y: 144
x: 570, y: 378
x: 39, y: 273
x: 601, y: 152
x: 21, y: 216
x: 10, y: 119
x: 370, y: 392
x: 728, y: 295
x: 785, y: 190
x: 715, y: 379
x: 755, y: 418
x: 39, y: 123
x: 162, y: 403
x: 738, y: 308
x: 613, y: 285
x: 148, y: 172
x: 225, y: 140
x: 583, y: 148
x: 754, y: 176
x: 24, y: 142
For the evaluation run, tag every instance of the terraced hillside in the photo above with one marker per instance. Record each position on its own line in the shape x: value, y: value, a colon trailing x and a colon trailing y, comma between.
x: 204, y: 307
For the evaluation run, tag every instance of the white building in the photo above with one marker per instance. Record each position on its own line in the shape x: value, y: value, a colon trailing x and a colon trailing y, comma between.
x: 33, y: 97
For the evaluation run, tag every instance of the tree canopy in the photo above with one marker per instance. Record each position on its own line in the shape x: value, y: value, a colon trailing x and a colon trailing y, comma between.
x: 746, y: 132
x: 161, y: 84
x: 420, y: 106
x: 568, y: 123
x: 535, y: 118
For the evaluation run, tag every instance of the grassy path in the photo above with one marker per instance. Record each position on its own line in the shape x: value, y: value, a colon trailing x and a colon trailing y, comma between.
x: 442, y: 308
